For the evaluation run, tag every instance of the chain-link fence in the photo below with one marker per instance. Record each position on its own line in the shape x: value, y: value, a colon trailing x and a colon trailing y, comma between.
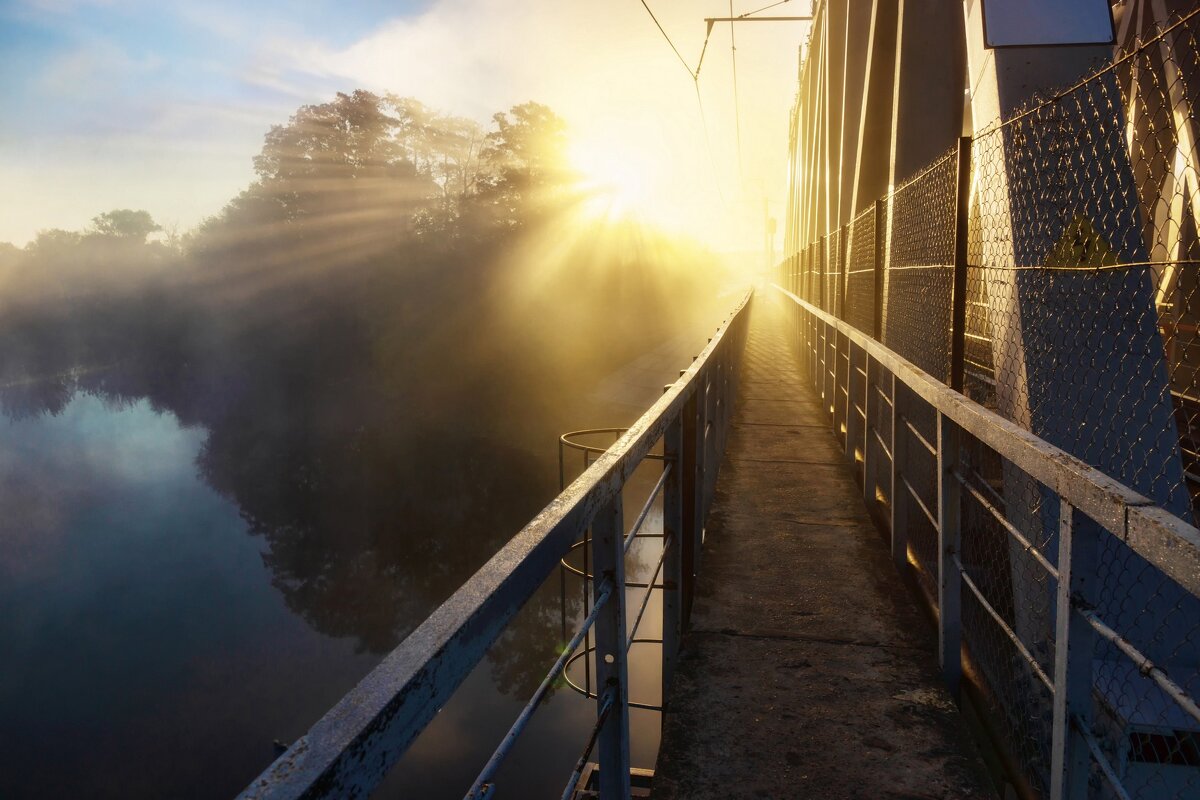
x: 1056, y: 283
x: 919, y: 269
x: 860, y: 271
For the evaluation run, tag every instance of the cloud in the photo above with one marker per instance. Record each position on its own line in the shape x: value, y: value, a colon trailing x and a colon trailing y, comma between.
x: 606, y: 69
x: 142, y: 112
x: 93, y: 69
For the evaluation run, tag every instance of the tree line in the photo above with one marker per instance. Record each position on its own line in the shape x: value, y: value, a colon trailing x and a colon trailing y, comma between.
x: 372, y: 338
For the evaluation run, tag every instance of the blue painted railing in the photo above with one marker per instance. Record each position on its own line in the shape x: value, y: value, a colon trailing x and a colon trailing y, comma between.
x: 1090, y: 699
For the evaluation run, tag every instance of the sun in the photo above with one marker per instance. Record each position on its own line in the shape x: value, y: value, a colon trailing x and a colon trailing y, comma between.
x: 616, y: 181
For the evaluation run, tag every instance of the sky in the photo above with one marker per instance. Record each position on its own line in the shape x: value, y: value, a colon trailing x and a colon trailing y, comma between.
x: 162, y: 106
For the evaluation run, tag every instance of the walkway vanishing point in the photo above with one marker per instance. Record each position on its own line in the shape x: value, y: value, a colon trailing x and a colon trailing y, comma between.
x: 795, y: 663
x: 807, y: 671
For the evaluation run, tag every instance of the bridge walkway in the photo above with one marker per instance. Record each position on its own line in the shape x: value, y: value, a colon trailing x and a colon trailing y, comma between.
x: 808, y: 670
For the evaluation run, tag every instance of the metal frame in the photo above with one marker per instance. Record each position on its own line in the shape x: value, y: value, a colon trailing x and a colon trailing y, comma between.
x: 352, y: 748
x: 1085, y: 495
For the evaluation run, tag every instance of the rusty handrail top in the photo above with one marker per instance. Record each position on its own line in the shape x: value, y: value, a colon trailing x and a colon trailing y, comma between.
x: 1154, y: 533
x: 349, y: 750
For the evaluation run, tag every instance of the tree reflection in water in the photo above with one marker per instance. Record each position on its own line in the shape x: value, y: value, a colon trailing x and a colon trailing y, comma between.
x: 381, y: 337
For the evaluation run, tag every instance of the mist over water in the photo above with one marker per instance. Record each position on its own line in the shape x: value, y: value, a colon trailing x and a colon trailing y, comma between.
x: 238, y: 466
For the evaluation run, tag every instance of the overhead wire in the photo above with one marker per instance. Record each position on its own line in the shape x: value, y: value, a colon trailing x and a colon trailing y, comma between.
x: 663, y: 31
x: 712, y: 161
x: 760, y: 10
x: 737, y: 114
x: 695, y: 76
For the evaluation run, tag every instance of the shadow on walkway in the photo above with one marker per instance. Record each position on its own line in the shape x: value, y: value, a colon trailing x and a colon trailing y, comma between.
x: 808, y: 670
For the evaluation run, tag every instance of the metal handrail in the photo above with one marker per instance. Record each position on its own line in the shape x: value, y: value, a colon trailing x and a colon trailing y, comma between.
x: 350, y: 750
x: 1166, y: 542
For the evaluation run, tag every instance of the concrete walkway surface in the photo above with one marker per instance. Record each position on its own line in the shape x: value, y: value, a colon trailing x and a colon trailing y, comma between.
x: 808, y: 670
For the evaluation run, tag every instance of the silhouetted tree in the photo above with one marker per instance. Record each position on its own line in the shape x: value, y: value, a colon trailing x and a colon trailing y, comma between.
x: 525, y: 161
x: 379, y: 410
x: 126, y: 224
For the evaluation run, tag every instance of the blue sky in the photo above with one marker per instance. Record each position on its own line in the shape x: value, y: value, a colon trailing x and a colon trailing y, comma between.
x: 128, y: 103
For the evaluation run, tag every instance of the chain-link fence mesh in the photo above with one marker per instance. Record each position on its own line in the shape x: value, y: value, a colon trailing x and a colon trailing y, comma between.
x: 920, y: 267
x: 835, y: 272
x: 1007, y: 552
x: 1081, y: 310
x: 860, y: 272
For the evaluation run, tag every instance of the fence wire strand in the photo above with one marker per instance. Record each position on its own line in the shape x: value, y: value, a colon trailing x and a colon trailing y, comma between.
x: 1082, y: 325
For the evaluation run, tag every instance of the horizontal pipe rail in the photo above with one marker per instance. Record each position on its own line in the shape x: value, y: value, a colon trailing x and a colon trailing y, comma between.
x: 1144, y: 665
x: 1166, y: 541
x: 350, y: 750
x: 1005, y: 628
x: 482, y: 786
x: 1069, y: 632
x: 994, y: 512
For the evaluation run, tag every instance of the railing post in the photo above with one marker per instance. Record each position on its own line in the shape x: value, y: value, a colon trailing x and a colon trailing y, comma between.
x: 672, y: 602
x: 722, y: 399
x: 949, y: 539
x: 841, y: 383
x: 827, y: 378
x: 958, y: 294
x: 854, y: 426
x: 612, y: 670
x: 900, y: 500
x: 1074, y: 648
x: 870, y: 403
x: 880, y: 259
x: 810, y: 326
x: 690, y: 526
x: 698, y: 442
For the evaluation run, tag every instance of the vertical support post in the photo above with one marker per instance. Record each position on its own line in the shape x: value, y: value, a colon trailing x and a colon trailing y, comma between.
x: 1074, y: 648
x: 880, y: 259
x: 811, y: 327
x: 841, y: 385
x: 612, y: 667
x: 958, y: 294
x: 901, y: 501
x: 803, y: 256
x: 829, y: 385
x: 689, y: 525
x: 854, y: 426
x: 672, y: 605
x: 701, y: 414
x: 949, y: 545
x: 870, y: 406
x: 844, y: 274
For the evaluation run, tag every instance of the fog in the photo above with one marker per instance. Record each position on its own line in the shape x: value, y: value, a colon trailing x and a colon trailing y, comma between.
x: 380, y: 340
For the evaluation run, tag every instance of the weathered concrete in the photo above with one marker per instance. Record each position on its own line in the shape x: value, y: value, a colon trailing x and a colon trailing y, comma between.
x: 808, y: 671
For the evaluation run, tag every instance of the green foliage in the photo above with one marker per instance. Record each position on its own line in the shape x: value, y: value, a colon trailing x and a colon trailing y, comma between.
x: 358, y: 339
x: 125, y: 223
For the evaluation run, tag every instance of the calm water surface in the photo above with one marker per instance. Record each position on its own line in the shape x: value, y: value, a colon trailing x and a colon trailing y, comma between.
x: 158, y: 634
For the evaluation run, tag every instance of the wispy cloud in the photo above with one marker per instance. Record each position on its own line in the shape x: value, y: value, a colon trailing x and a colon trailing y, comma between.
x: 191, y: 89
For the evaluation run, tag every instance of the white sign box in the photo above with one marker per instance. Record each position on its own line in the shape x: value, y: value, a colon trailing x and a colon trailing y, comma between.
x: 1034, y: 23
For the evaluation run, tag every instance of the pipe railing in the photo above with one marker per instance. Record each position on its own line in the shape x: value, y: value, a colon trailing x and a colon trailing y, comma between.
x: 349, y: 751
x: 869, y: 392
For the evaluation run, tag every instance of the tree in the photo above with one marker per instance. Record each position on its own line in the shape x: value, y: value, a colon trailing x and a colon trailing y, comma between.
x: 529, y: 144
x: 526, y: 163
x: 125, y: 223
x: 350, y: 137
x: 442, y: 146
